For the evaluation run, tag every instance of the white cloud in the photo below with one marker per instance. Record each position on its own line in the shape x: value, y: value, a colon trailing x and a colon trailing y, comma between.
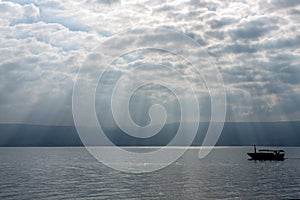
x: 255, y: 44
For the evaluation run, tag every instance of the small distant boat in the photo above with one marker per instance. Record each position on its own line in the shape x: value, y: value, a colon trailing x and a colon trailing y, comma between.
x: 267, y: 154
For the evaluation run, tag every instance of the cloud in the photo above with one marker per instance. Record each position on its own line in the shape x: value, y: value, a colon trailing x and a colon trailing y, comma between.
x: 16, y: 13
x: 254, y: 28
x: 255, y: 45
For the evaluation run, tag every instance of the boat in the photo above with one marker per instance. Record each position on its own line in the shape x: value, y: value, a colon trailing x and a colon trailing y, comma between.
x: 267, y: 154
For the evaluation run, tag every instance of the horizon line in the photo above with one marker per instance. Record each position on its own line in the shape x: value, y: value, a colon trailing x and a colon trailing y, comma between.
x: 73, y: 125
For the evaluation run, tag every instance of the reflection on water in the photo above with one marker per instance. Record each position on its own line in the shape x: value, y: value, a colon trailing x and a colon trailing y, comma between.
x: 31, y: 173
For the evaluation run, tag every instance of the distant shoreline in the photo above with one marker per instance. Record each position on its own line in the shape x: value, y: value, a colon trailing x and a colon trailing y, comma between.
x: 233, y: 134
x: 170, y: 147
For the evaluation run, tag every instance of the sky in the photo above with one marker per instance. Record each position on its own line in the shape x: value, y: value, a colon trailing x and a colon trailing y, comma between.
x: 253, y: 44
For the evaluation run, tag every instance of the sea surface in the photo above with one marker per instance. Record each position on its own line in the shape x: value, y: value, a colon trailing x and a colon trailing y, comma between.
x: 72, y: 173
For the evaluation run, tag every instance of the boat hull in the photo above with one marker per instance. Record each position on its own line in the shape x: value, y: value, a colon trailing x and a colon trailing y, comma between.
x: 266, y: 156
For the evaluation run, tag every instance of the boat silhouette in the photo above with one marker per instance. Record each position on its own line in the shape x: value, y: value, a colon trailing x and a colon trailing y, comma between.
x: 267, y: 154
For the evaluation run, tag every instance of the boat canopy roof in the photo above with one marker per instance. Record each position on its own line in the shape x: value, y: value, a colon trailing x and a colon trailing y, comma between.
x: 269, y: 150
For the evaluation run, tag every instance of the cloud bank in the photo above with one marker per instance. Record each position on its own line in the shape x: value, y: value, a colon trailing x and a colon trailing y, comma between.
x: 254, y: 44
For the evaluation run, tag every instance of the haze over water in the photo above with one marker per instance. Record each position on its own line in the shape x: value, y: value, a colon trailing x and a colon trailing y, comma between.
x: 67, y: 172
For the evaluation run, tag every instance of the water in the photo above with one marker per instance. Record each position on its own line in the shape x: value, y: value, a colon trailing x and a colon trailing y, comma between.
x: 226, y: 173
